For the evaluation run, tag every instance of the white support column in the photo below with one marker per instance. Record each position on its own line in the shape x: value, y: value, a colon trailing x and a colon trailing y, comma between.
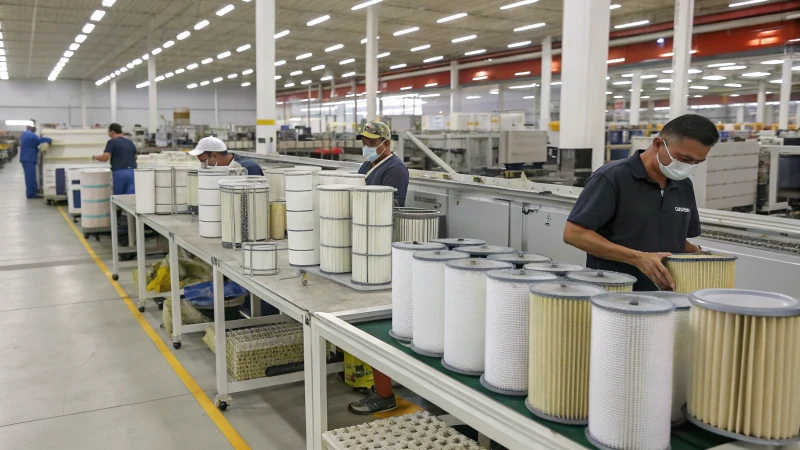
x: 113, y: 95
x: 84, y: 90
x: 354, y: 91
x: 769, y: 116
x: 265, y: 77
x: 786, y: 94
x: 152, y: 92
x: 372, y: 62
x: 761, y: 101
x: 500, y: 99
x: 681, y: 57
x: 583, y: 74
x: 308, y: 106
x: 740, y: 114
x: 455, y: 91
x: 547, y: 77
x: 797, y: 116
x: 636, y: 97
x: 216, y: 107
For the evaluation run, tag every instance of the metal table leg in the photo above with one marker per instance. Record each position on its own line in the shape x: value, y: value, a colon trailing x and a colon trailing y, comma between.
x: 223, y: 399
x: 175, y: 287
x: 140, y: 260
x: 114, y: 243
x: 308, y: 381
x: 319, y: 387
x: 132, y: 238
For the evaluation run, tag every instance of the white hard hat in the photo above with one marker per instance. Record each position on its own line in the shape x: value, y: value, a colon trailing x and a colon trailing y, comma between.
x: 209, y: 144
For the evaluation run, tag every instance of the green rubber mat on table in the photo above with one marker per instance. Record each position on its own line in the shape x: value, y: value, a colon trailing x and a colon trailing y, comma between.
x: 685, y: 437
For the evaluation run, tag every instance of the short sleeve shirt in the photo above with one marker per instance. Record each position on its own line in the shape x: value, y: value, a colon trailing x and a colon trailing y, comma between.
x: 621, y: 204
x: 392, y: 172
x: 123, y: 153
x: 251, y: 166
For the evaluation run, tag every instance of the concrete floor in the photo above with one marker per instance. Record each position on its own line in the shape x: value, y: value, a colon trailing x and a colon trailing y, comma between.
x: 78, y: 372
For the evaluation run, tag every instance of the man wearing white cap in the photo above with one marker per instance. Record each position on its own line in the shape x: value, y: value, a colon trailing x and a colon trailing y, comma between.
x: 212, y: 152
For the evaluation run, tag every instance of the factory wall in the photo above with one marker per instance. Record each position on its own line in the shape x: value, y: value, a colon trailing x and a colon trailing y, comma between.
x: 59, y: 102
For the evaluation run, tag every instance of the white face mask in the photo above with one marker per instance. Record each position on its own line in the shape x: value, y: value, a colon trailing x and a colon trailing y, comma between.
x: 675, y: 170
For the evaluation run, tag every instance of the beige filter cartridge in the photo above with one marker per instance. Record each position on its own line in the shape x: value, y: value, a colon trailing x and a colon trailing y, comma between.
x: 696, y: 271
x: 745, y: 371
x: 610, y: 281
x: 559, y: 346
x: 277, y: 220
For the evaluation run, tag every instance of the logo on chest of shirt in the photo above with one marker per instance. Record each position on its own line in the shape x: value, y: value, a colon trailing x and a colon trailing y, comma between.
x: 682, y: 209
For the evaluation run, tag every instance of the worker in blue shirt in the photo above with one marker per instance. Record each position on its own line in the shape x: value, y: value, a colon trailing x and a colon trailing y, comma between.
x: 122, y: 153
x: 212, y: 152
x: 29, y: 156
x: 383, y: 167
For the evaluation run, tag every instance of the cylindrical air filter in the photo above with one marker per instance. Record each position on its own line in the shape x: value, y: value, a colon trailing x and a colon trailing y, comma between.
x: 416, y: 225
x: 610, y: 281
x: 277, y: 220
x: 171, y: 190
x: 520, y: 259
x: 95, y: 198
x: 245, y: 210
x: 507, y: 322
x: 559, y: 345
x: 372, y: 234
x: 482, y: 251
x: 277, y: 183
x: 259, y: 258
x: 695, y: 271
x: 680, y: 352
x: 465, y: 314
x: 209, y: 211
x: 351, y: 179
x: 427, y: 294
x: 145, y: 182
x: 745, y: 369
x: 192, y: 194
x: 630, y: 375
x: 452, y: 243
x: 335, y: 228
x: 302, y: 218
x: 402, y: 301
x: 560, y: 269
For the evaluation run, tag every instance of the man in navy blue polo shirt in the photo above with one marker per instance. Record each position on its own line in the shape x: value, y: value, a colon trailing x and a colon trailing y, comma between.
x: 635, y: 212
x: 212, y: 152
x: 122, y: 153
x: 383, y: 167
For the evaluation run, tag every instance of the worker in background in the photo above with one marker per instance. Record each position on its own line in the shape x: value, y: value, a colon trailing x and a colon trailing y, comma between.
x: 29, y: 143
x: 122, y: 153
x: 212, y: 152
x: 386, y: 169
x: 635, y: 212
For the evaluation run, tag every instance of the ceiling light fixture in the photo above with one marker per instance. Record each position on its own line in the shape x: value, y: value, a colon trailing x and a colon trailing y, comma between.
x: 664, y: 80
x: 135, y: 62
x: 662, y: 88
x: 622, y: 83
x: 205, y: 83
x: 530, y: 27
x: 191, y: 66
x: 473, y: 97
x: 755, y: 74
x: 326, y: 78
x: 233, y: 75
x: 280, y: 63
x: 97, y: 15
x: 615, y: 61
x: 245, y: 84
x: 80, y: 38
x: 432, y: 85
x: 519, y: 44
x: 421, y: 47
x: 183, y: 35
x: 141, y: 85
x: 200, y: 25
x: 698, y: 87
x: 305, y: 82
x: 523, y: 86
x: 348, y: 74
x: 429, y: 95
x: 365, y: 4
x: 521, y: 3
x: 453, y: 17
x: 169, y: 74
x: 74, y: 46
x: 614, y: 6
x: 319, y: 67
x: 773, y: 61
x: 296, y: 73
x: 109, y: 3
x: 733, y: 68
x: 521, y: 74
x: 88, y: 28
x: 479, y: 78
x: 225, y: 10
x: 631, y: 24
x: 397, y: 66
x: 383, y: 55
x: 304, y: 56
x: 435, y: 58
x: 475, y: 52
x: 146, y: 56
x: 281, y: 34
x: 745, y: 3
x: 464, y: 38
x: 223, y: 55
x: 288, y: 85
x: 334, y: 48
x: 721, y: 64
x: 217, y: 80
x: 243, y: 48
x: 278, y: 77
x: 192, y: 86
x: 159, y: 78
x: 68, y: 54
x: 405, y: 88
x: 347, y: 61
x: 156, y: 51
x: 207, y: 61
x: 318, y: 20
x: 124, y: 69
x: 714, y: 78
x: 406, y: 31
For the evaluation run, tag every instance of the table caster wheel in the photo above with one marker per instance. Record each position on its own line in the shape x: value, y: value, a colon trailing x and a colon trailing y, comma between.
x: 115, y: 277
x: 141, y: 309
x: 86, y: 235
x: 176, y: 345
x: 222, y: 406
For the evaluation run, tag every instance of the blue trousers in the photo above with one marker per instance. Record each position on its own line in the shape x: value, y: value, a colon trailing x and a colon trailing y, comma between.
x: 31, y: 186
x: 123, y: 181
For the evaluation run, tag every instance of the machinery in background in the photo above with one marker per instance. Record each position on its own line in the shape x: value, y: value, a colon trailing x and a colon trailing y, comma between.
x: 69, y: 149
x: 779, y: 179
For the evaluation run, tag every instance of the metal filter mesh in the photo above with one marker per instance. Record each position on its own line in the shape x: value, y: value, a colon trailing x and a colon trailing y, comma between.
x: 697, y: 271
x: 630, y: 393
x: 418, y: 431
x: 745, y: 373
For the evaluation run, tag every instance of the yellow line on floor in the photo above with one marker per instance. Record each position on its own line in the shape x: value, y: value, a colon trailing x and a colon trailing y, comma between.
x: 208, y: 406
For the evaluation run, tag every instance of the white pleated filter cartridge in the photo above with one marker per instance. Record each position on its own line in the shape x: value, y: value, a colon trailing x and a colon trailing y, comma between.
x: 192, y: 193
x: 680, y: 351
x: 745, y: 367
x: 415, y: 224
x: 145, y: 182
x: 244, y: 208
x: 402, y: 287
x: 302, y: 218
x: 351, y: 179
x: 559, y: 345
x: 427, y: 295
x: 452, y: 243
x: 465, y: 314
x: 277, y: 183
x: 335, y: 228
x: 507, y: 323
x: 695, y: 271
x: 95, y: 198
x: 520, y: 259
x: 171, y: 189
x: 259, y: 258
x: 630, y: 378
x: 560, y: 269
x: 209, y: 210
x: 372, y: 234
x: 610, y: 281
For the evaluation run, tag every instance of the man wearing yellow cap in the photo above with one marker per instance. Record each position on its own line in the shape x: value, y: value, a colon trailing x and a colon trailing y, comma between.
x: 383, y: 167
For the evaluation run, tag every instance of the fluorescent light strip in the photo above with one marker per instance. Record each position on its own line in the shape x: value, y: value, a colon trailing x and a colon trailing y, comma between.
x: 88, y: 28
x: 647, y: 77
x: 247, y: 72
x: 225, y: 10
x: 405, y: 88
x: 521, y: 74
x: 334, y: 48
x: 319, y: 67
x: 318, y: 20
x: 109, y: 3
x: 97, y: 15
x: 207, y: 61
x: 200, y: 25
x: 397, y: 66
x: 243, y: 48
x: 453, y: 17
x: 217, y: 80
x: 281, y: 34
x: 191, y: 66
x: 347, y: 61
x: 383, y: 55
x: 475, y: 52
x: 205, y: 83
x: 156, y: 50
x: 246, y: 84
x: 288, y: 85
x: 615, y: 61
x: 519, y: 44
x: 280, y: 63
x: 432, y: 85
x: 714, y: 78
x: 522, y: 3
x: 304, y: 56
x: 721, y: 64
x: 615, y: 6
x: 631, y: 24
x: 365, y: 4
x: 473, y: 97
x: 327, y: 78
x: 233, y: 75
x: 223, y: 55
x: 74, y: 46
x: 733, y: 68
x: 183, y: 35
x: 482, y: 77
x: 429, y: 95
x: 296, y: 73
x: 745, y: 3
x: 435, y: 58
x: 530, y: 27
x: 348, y: 74
x: 406, y: 31
x: 421, y: 47
x: 80, y: 38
